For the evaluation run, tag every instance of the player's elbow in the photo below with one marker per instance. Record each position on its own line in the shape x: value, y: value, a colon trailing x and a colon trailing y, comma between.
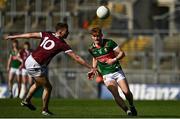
x: 122, y: 55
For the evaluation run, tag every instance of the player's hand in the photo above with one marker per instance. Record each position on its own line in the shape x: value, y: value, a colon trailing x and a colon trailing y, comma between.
x: 111, y: 61
x: 92, y: 73
x: 6, y: 37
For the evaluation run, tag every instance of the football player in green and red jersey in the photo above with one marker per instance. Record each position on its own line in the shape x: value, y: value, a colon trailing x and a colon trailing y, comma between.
x: 13, y: 68
x: 106, y: 55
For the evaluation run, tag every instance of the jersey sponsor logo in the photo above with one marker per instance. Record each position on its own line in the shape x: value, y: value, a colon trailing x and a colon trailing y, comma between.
x: 105, y: 49
x: 104, y: 58
x: 100, y: 51
x: 14, y: 58
x: 47, y: 44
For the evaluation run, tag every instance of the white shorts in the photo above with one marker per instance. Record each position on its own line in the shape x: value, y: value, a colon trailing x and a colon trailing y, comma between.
x: 24, y: 72
x: 119, y: 75
x: 34, y: 69
x: 14, y: 71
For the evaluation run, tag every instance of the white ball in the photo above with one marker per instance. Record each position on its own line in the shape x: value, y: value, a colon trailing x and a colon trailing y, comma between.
x: 102, y: 12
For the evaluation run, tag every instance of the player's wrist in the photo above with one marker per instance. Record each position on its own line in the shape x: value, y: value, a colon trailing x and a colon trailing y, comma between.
x: 115, y: 59
x: 88, y: 66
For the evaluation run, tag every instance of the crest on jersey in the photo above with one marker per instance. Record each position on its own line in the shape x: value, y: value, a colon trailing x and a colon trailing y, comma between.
x: 105, y: 49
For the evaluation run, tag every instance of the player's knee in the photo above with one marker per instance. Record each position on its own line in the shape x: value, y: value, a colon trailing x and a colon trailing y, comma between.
x: 127, y: 93
x: 36, y: 85
x: 114, y: 92
x: 49, y: 86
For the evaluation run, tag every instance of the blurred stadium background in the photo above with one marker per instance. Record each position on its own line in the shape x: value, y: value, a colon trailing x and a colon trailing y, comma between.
x: 147, y: 30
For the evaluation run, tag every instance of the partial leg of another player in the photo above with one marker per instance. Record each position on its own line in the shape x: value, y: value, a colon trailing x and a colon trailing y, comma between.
x: 27, y: 82
x: 30, y: 80
x: 113, y: 88
x: 125, y: 89
x: 27, y: 101
x: 10, y: 83
x: 19, y: 84
x: 24, y: 84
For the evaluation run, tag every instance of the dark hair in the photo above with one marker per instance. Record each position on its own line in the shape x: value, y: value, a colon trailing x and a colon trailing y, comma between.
x: 15, y: 41
x: 27, y: 43
x: 96, y: 31
x: 61, y: 26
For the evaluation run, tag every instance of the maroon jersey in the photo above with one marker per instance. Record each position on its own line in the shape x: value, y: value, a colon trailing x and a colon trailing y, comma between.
x: 24, y: 54
x: 49, y: 46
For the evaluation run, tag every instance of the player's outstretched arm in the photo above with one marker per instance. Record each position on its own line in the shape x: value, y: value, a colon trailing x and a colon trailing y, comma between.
x: 92, y: 73
x: 25, y: 35
x: 83, y: 62
x: 78, y: 59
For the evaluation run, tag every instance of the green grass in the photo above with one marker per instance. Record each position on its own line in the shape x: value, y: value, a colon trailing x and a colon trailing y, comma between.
x: 90, y: 108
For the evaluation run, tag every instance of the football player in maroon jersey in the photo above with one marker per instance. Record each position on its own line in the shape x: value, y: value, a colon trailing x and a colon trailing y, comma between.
x: 36, y: 64
x: 26, y: 79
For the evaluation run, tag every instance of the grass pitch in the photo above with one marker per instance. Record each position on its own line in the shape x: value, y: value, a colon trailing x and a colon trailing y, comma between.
x: 68, y: 108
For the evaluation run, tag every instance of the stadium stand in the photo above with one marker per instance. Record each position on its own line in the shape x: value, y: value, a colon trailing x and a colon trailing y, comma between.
x: 135, y: 45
